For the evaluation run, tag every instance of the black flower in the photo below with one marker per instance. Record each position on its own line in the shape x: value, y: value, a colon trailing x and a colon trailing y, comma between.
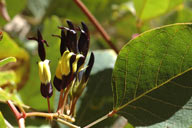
x: 44, y: 69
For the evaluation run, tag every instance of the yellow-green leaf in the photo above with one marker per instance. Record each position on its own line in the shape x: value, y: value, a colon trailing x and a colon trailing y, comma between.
x: 7, y: 60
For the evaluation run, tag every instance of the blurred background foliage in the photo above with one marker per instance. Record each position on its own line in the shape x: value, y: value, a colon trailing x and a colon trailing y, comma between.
x: 122, y: 19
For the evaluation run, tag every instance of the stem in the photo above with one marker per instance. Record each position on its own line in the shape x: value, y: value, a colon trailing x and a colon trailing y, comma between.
x: 60, y: 100
x: 96, y: 24
x: 110, y: 114
x: 19, y: 116
x: 54, y: 116
x: 48, y: 103
x: 67, y: 123
x: 41, y: 114
x: 73, y: 106
x: 65, y: 98
x: 21, y: 123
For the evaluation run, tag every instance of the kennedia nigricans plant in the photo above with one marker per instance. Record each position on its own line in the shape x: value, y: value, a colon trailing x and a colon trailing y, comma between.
x: 71, y: 75
x: 73, y: 54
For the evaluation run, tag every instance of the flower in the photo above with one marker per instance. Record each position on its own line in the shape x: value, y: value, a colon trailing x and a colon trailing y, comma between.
x: 71, y: 67
x: 44, y: 69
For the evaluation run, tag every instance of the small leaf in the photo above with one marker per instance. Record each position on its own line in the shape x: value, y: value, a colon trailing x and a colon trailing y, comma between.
x: 152, y: 75
x: 2, y: 121
x: 7, y: 60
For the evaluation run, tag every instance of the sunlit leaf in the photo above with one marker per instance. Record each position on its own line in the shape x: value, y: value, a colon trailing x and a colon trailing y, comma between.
x: 7, y: 60
x: 147, y: 9
x: 152, y: 75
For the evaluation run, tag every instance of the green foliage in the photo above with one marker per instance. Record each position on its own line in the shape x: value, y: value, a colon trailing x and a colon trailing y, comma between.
x: 151, y: 78
x: 148, y: 9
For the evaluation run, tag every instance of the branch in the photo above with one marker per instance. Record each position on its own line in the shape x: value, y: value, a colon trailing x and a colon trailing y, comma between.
x: 96, y: 24
x: 19, y: 116
x: 110, y: 114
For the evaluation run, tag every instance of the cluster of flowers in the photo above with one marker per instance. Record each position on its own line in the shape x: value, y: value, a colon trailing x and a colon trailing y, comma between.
x: 71, y: 71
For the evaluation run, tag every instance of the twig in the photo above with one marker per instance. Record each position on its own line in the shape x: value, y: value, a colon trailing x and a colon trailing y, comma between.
x: 41, y: 114
x: 96, y: 24
x: 110, y: 114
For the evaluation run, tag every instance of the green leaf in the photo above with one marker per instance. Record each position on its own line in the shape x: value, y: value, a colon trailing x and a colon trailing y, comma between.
x: 2, y: 121
x: 32, y: 88
x: 181, y: 119
x: 152, y: 75
x: 7, y: 60
x: 147, y: 9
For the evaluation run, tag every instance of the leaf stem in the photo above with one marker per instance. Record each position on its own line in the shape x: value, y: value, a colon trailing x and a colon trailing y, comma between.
x: 97, y: 25
x: 110, y: 114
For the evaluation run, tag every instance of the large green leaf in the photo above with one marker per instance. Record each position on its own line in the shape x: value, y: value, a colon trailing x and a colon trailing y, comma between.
x: 147, y: 9
x: 32, y: 89
x: 152, y: 75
